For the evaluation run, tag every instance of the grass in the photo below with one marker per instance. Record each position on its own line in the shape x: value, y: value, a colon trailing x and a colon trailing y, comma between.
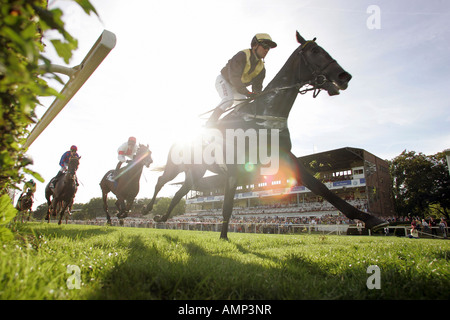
x: 132, y: 263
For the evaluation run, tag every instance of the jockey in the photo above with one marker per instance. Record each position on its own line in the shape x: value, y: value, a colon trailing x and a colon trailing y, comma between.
x: 126, y: 150
x: 64, y: 163
x: 244, y: 69
x: 29, y: 186
x: 29, y: 189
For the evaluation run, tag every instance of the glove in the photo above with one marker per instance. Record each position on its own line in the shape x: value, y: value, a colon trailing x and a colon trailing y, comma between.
x: 252, y: 95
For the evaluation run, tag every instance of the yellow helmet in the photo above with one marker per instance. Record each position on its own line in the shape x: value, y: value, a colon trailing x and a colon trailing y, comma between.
x: 263, y: 39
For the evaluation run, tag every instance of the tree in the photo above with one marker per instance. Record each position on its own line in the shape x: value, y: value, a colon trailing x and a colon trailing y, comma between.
x: 23, y: 23
x: 162, y: 204
x: 94, y: 208
x: 421, y: 184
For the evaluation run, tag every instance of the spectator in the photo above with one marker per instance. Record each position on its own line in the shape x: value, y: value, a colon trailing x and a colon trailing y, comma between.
x: 443, y: 227
x: 433, y: 226
x: 414, y: 233
x: 425, y: 226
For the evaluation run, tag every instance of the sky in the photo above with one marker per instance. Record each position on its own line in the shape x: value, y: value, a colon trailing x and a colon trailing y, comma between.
x: 161, y: 76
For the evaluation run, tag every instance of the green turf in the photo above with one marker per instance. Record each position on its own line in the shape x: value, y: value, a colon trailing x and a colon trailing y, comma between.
x: 133, y: 263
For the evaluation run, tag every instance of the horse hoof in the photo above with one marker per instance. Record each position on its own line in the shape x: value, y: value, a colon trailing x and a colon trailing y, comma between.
x: 376, y: 224
x: 159, y: 219
x: 146, y: 210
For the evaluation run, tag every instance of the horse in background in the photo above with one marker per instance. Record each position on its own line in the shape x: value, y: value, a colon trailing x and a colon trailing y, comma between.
x: 125, y: 184
x: 24, y: 204
x: 63, y: 193
x: 309, y: 65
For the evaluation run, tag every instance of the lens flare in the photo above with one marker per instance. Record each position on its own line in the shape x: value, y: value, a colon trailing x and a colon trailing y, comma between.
x: 249, y: 167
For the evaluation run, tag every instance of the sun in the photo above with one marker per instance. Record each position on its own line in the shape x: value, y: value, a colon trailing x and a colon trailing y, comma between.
x: 187, y: 129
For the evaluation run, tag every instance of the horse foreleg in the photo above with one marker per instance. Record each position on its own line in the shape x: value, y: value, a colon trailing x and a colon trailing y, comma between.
x: 64, y: 205
x: 127, y: 205
x: 228, y: 201
x: 120, y: 204
x: 347, y: 209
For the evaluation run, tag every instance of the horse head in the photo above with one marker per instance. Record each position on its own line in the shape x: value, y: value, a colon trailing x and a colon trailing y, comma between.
x: 143, y: 155
x: 74, y: 162
x: 325, y: 72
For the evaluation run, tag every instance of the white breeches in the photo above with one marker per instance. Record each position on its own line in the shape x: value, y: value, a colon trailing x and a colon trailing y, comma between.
x: 227, y: 93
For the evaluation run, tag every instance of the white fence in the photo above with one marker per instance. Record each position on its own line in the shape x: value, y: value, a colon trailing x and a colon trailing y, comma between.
x: 266, y: 228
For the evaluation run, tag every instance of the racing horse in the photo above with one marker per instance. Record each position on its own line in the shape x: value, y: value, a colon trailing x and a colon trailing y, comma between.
x: 126, y: 182
x: 308, y: 66
x: 24, y: 204
x: 64, y: 191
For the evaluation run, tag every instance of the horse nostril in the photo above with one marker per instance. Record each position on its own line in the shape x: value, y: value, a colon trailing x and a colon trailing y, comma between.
x: 345, y: 76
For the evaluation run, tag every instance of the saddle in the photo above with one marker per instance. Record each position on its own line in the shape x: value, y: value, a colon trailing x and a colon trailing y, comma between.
x: 55, y: 180
x: 111, y: 176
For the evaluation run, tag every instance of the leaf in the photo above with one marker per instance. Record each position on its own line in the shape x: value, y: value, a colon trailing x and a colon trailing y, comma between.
x: 36, y: 175
x: 64, y: 49
x: 7, y: 213
x: 87, y: 6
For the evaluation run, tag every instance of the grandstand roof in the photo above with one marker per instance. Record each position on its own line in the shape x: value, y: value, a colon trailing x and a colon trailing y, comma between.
x: 343, y: 158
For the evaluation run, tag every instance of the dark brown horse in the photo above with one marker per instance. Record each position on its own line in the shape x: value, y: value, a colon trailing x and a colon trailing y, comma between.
x: 309, y: 65
x: 64, y: 191
x: 24, y: 204
x: 126, y: 183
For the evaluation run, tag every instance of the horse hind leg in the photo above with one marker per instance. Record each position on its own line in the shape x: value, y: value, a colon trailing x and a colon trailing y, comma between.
x: 192, y: 177
x: 105, y: 206
x: 170, y: 173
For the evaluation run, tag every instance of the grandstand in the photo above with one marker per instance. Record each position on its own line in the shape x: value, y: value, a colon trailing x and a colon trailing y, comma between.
x: 354, y: 174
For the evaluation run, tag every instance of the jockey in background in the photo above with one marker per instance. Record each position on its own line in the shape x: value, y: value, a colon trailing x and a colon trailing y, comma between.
x: 29, y: 189
x: 29, y: 186
x: 244, y: 69
x: 126, y: 150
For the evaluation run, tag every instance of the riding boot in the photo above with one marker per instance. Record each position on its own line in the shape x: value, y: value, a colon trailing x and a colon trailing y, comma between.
x: 55, y: 179
x: 116, y: 172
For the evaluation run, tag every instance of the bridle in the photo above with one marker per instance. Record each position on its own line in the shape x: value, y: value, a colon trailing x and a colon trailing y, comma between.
x: 71, y: 168
x: 319, y: 78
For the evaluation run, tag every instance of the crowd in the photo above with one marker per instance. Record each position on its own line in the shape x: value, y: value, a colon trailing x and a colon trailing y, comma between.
x: 428, y: 226
x: 269, y: 219
x: 277, y: 224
